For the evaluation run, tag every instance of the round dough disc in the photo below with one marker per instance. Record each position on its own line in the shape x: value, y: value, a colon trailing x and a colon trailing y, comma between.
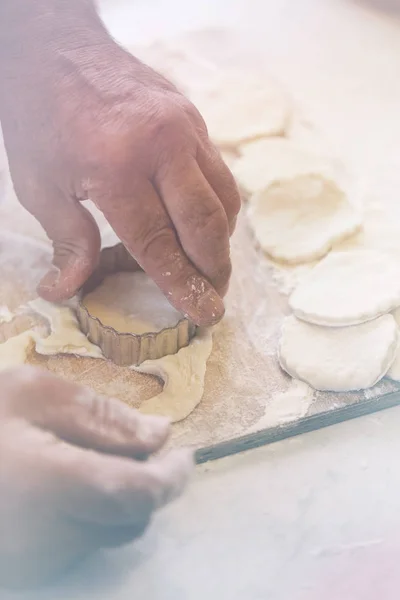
x: 348, y: 288
x: 262, y: 162
x: 298, y: 220
x: 238, y: 107
x: 341, y: 359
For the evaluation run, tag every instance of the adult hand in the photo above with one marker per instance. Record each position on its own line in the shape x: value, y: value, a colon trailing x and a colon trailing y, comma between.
x: 82, y: 119
x: 73, y: 474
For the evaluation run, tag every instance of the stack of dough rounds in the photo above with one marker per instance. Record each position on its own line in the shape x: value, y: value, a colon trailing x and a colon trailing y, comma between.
x: 341, y: 337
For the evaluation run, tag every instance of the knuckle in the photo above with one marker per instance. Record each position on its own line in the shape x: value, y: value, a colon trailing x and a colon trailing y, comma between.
x: 169, y: 116
x: 195, y: 116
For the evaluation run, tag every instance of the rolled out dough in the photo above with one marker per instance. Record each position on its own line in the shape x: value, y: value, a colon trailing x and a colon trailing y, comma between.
x: 15, y: 350
x: 338, y: 359
x: 238, y: 106
x: 65, y: 336
x: 298, y: 220
x: 348, y: 288
x: 183, y: 375
x: 263, y: 162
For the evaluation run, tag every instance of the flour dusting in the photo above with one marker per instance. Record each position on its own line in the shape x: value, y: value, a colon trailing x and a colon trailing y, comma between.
x: 287, y: 406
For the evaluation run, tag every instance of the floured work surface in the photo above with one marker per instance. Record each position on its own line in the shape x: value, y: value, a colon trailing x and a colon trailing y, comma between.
x: 245, y: 390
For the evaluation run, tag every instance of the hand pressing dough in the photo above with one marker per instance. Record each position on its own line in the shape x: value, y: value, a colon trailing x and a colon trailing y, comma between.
x: 65, y: 336
x: 347, y: 288
x: 298, y: 220
x: 240, y: 106
x: 263, y: 162
x: 15, y: 350
x: 131, y: 303
x: 338, y: 359
x: 183, y: 374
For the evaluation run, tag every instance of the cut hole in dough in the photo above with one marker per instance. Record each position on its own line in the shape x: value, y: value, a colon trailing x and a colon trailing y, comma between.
x: 298, y: 220
x: 348, y: 288
x: 338, y: 359
x: 131, y: 303
x: 240, y: 106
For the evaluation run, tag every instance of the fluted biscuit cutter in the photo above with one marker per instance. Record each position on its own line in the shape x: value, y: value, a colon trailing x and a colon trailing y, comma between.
x: 127, y: 348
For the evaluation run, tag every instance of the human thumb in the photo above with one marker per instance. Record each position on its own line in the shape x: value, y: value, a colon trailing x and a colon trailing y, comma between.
x: 74, y: 234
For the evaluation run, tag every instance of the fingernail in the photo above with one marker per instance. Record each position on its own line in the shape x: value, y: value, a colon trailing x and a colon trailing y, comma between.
x: 151, y: 428
x: 210, y: 308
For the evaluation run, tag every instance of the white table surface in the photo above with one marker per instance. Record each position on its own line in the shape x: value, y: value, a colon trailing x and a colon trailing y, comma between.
x: 317, y: 516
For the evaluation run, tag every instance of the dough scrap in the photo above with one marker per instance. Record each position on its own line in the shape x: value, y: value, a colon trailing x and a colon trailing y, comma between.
x: 131, y: 303
x: 298, y: 220
x: 348, y: 288
x: 183, y: 374
x: 338, y: 359
x: 262, y: 162
x: 65, y: 336
x: 14, y: 351
x: 240, y: 106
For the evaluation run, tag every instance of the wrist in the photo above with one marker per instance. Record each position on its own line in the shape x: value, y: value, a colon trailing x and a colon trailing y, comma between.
x: 33, y: 32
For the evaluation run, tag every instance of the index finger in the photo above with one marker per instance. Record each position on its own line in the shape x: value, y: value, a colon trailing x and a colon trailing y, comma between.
x: 142, y: 223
